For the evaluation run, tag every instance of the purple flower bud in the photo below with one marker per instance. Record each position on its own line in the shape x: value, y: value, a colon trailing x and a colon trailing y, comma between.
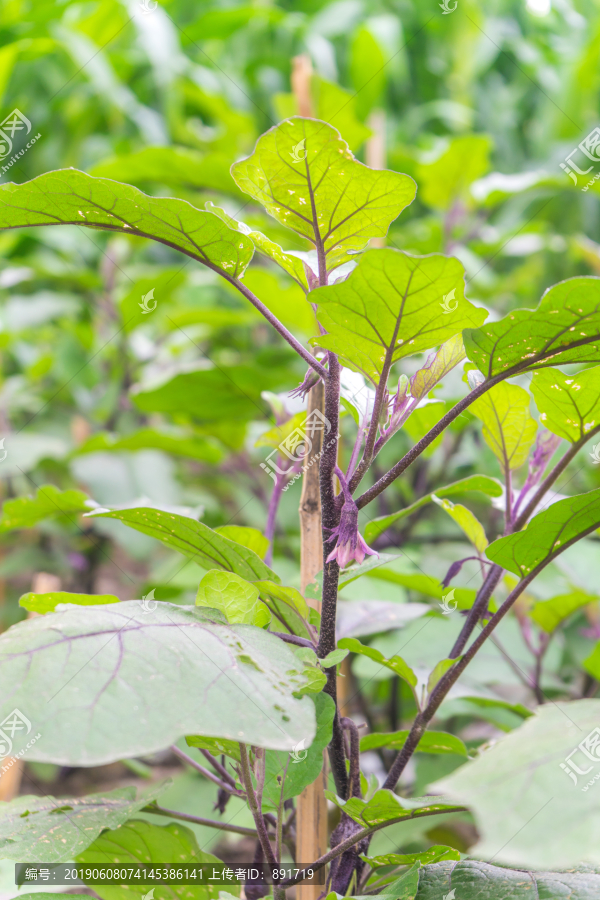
x: 350, y: 545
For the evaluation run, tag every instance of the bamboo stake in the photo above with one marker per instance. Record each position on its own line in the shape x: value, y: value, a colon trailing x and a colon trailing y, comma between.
x: 300, y: 78
x: 10, y: 780
x: 311, y: 834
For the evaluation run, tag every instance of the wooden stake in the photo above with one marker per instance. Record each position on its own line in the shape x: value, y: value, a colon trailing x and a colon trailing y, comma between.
x: 10, y: 781
x: 301, y: 76
x: 311, y: 829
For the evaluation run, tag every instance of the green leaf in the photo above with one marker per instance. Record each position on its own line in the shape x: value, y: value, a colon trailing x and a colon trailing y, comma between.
x: 367, y: 69
x: 437, y: 367
x: 336, y: 106
x: 437, y: 853
x: 438, y: 672
x: 395, y: 663
x: 564, y: 328
x: 286, y: 300
x: 569, y: 405
x: 426, y: 584
x: 45, y: 603
x: 334, y: 658
x: 591, y: 663
x: 546, y: 533
x: 518, y: 787
x: 236, y: 598
x: 352, y: 203
x: 508, y: 428
x: 51, y: 830
x: 385, y: 805
x: 80, y: 673
x: 178, y: 166
x: 466, y: 520
x: 211, y: 394
x: 251, y: 538
x: 196, y: 447
x: 140, y: 842
x: 448, y: 178
x: 431, y: 742
x: 389, y: 308
x: 302, y: 767
x: 289, y: 607
x: 193, y: 539
x: 481, y: 483
x: 25, y: 512
x: 548, y: 614
x: 287, y: 261
x: 69, y: 197
x: 215, y: 745
x: 405, y: 887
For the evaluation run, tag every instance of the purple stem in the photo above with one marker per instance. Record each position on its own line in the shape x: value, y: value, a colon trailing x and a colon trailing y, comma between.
x: 277, y: 325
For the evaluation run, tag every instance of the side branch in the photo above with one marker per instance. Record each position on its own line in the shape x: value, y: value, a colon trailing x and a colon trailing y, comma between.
x: 367, y: 832
x: 453, y: 674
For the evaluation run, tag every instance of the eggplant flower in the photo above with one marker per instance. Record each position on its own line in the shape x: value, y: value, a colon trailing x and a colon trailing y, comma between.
x: 350, y: 545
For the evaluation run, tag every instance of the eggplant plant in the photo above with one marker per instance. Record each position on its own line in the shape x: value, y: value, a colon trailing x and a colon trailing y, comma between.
x: 249, y: 676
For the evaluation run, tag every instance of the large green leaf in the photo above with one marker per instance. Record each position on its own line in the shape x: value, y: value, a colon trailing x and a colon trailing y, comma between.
x: 47, y: 829
x: 473, y: 880
x: 569, y: 405
x: 180, y: 444
x: 79, y: 674
x: 299, y: 769
x: 389, y: 306
x: 532, y: 779
x: 193, y: 539
x: 564, y: 328
x: 179, y: 166
x: 508, y: 428
x: 25, y: 512
x: 211, y: 394
x: 306, y: 177
x: 547, y: 533
x: 447, y: 179
x: 141, y: 842
x: 69, y: 197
